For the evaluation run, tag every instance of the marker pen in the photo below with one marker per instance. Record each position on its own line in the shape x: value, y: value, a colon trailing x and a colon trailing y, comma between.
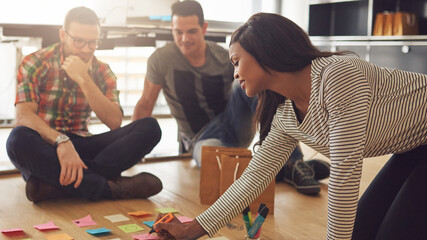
x: 259, y: 220
x: 246, y: 218
x: 165, y: 219
x: 260, y: 208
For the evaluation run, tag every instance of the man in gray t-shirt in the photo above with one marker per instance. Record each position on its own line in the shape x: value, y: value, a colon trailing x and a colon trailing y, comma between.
x: 195, y: 94
x: 196, y: 77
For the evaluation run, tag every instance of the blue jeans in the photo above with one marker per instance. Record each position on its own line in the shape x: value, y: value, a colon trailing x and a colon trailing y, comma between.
x: 106, y: 155
x: 233, y: 127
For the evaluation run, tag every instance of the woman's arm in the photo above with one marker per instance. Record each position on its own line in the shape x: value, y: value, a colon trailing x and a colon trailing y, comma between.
x: 347, y: 98
x: 262, y: 169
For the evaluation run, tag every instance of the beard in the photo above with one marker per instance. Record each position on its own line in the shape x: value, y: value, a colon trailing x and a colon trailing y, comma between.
x: 84, y: 56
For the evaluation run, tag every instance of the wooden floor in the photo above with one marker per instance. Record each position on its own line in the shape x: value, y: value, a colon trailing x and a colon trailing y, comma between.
x: 296, y: 216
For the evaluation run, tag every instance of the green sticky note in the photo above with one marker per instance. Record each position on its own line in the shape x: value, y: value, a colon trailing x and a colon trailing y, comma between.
x: 130, y: 228
x: 166, y: 210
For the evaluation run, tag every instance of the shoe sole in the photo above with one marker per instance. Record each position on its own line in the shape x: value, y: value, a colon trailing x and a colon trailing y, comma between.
x: 308, y: 190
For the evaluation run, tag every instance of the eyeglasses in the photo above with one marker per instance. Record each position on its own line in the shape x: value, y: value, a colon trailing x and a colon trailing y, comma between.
x: 80, y: 43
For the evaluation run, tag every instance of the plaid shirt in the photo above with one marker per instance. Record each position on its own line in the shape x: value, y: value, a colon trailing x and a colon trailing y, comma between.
x: 61, y: 102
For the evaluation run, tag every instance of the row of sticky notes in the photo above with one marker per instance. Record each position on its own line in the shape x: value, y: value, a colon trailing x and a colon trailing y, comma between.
x: 88, y: 221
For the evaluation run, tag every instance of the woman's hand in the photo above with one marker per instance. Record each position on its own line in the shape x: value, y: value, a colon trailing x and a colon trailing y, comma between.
x: 177, y: 230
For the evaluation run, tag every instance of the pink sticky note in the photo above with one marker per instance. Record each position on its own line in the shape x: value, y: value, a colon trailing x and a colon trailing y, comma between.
x: 47, y: 226
x: 86, y: 221
x: 145, y: 236
x: 13, y: 230
x: 184, y: 219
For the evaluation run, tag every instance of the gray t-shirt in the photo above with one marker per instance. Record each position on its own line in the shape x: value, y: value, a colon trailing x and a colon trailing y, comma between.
x: 195, y: 95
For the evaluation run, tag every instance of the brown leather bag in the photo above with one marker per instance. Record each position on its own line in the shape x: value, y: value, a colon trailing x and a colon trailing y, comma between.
x: 379, y: 24
x: 405, y: 24
x: 388, y: 24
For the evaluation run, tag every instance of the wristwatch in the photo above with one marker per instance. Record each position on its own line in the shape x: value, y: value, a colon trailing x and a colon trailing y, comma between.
x: 61, y: 138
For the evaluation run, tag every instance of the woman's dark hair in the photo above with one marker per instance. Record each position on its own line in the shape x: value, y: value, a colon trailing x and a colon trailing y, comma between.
x: 81, y: 15
x: 188, y: 8
x: 278, y: 44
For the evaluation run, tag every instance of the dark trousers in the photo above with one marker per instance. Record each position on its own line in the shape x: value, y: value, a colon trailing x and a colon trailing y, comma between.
x: 106, y: 155
x: 395, y: 204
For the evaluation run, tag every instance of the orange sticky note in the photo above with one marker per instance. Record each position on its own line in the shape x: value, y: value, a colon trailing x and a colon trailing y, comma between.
x: 140, y: 213
x: 61, y: 236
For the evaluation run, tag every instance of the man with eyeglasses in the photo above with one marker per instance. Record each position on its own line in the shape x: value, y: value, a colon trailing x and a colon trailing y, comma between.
x: 58, y: 87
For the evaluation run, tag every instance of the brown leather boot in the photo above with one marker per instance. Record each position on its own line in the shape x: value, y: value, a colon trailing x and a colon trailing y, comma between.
x: 142, y: 185
x: 38, y: 191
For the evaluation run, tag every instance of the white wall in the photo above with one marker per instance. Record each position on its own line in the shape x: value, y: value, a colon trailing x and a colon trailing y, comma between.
x: 297, y: 11
x: 8, y: 79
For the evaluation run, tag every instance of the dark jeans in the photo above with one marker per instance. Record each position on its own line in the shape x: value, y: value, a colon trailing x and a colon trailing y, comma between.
x: 233, y: 127
x: 395, y: 204
x: 106, y: 155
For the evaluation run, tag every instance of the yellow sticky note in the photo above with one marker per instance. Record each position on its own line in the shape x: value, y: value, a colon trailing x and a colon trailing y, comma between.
x: 166, y: 210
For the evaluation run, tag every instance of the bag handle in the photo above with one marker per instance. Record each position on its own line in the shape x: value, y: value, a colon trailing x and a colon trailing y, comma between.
x: 218, y: 160
x: 235, y: 170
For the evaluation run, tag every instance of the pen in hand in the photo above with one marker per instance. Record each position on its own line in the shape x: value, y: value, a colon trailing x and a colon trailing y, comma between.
x: 165, y: 219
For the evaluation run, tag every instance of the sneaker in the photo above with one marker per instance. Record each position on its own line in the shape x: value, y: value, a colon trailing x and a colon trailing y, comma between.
x: 142, y: 185
x: 321, y: 168
x: 301, y: 176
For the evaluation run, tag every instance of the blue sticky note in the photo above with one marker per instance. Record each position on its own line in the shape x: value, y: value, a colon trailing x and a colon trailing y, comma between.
x: 98, y: 231
x: 149, y: 223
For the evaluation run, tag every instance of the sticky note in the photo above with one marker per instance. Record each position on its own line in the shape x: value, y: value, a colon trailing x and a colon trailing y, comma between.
x: 130, y: 228
x: 86, y: 221
x: 47, y: 226
x: 184, y: 219
x: 149, y: 223
x: 117, y: 218
x: 166, y: 210
x: 140, y: 213
x: 12, y: 230
x: 98, y: 231
x: 145, y: 236
x: 61, y: 236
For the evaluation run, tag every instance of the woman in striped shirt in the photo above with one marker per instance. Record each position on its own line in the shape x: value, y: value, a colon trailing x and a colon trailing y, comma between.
x: 345, y: 108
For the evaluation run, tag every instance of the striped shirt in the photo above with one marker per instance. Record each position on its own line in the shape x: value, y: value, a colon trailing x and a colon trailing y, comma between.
x: 61, y: 102
x: 356, y: 110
